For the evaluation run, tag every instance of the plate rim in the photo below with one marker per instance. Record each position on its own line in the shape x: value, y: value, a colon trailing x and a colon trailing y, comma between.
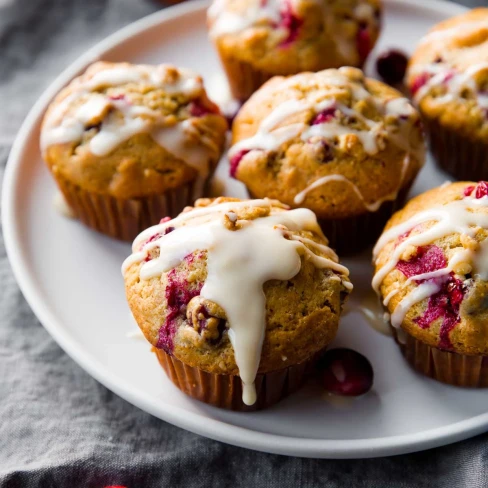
x: 191, y: 421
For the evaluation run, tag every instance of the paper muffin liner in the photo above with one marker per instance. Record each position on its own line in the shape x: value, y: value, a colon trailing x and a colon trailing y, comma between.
x: 458, y: 155
x: 444, y: 366
x: 124, y: 218
x: 244, y: 79
x: 351, y: 235
x: 225, y: 391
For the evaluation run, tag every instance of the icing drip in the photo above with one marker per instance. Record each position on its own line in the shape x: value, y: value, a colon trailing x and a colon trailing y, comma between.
x: 239, y: 262
x: 274, y: 132
x: 117, y: 118
x: 430, y: 269
x: 454, y: 82
x: 370, y: 207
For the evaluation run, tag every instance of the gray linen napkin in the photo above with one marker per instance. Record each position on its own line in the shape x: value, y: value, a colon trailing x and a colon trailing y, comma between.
x: 58, y: 426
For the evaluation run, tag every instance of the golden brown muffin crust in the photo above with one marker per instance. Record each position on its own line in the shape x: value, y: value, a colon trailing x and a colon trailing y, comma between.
x: 138, y: 165
x: 448, y: 73
x: 302, y: 314
x: 296, y: 164
x: 287, y: 37
x: 469, y: 335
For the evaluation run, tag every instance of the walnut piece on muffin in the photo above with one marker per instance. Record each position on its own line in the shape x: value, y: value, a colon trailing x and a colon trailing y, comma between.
x: 431, y: 272
x: 130, y: 133
x: 237, y: 287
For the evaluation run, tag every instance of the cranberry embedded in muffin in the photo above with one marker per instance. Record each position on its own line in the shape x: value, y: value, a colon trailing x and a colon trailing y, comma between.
x: 127, y: 143
x: 236, y: 290
x: 343, y: 145
x: 257, y: 39
x: 432, y: 276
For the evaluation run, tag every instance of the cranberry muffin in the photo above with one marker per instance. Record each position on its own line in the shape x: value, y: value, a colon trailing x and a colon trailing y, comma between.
x: 238, y: 298
x: 432, y: 277
x: 448, y: 79
x: 129, y: 143
x: 258, y: 39
x: 343, y: 145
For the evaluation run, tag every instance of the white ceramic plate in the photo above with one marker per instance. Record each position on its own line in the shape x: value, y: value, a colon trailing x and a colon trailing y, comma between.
x: 71, y: 278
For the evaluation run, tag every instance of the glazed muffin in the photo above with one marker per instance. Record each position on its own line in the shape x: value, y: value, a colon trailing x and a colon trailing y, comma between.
x: 343, y: 145
x: 432, y: 276
x: 258, y: 39
x: 238, y: 298
x: 448, y: 79
x: 129, y: 143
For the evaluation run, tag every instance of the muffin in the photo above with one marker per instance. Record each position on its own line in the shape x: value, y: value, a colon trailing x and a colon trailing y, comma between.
x: 238, y: 298
x: 448, y: 79
x: 345, y: 146
x: 258, y: 39
x: 432, y: 276
x: 129, y: 143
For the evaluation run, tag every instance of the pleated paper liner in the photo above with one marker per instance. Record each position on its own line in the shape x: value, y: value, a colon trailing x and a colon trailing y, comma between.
x: 243, y: 78
x: 124, y: 219
x: 444, y: 366
x: 355, y: 234
x: 458, y: 155
x: 225, y: 391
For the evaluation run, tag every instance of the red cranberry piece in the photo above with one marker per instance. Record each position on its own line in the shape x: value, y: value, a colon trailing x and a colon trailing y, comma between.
x: 198, y: 109
x: 481, y: 189
x: 391, y: 66
x: 444, y: 304
x: 419, y: 82
x: 291, y: 22
x: 324, y: 116
x: 178, y: 295
x: 117, y: 97
x: 427, y: 259
x: 468, y: 190
x: 164, y: 219
x: 346, y: 372
x: 235, y: 160
x: 363, y: 42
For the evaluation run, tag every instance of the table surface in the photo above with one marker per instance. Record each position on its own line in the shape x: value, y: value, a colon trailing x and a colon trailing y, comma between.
x: 59, y: 427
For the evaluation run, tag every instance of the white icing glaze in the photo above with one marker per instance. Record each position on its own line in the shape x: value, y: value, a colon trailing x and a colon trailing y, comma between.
x: 273, y: 131
x: 227, y: 22
x: 239, y: 262
x: 269, y: 13
x: 120, y: 119
x: 421, y: 292
x: 459, y: 216
x: 455, y: 82
x: 480, y: 261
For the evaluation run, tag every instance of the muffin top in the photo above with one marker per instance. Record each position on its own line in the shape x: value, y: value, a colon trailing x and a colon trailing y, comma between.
x: 236, y: 287
x: 289, y: 36
x: 133, y: 130
x: 448, y: 74
x: 335, y: 141
x: 432, y: 268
